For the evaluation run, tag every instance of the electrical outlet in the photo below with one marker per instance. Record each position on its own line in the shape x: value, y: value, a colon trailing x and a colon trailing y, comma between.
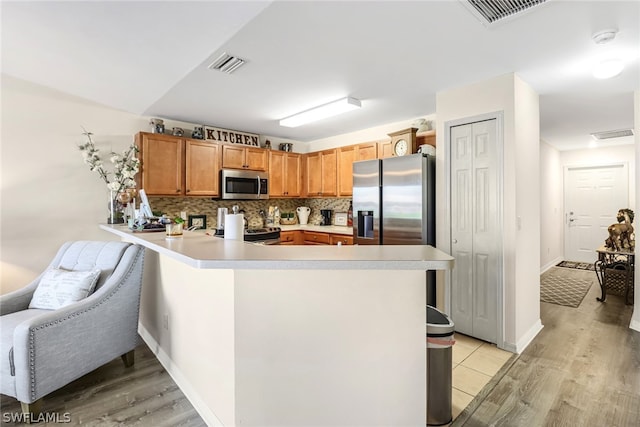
x: 165, y: 321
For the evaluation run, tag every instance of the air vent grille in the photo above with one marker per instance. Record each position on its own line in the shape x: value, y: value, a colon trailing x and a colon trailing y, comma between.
x: 494, y: 10
x: 612, y: 134
x: 226, y: 63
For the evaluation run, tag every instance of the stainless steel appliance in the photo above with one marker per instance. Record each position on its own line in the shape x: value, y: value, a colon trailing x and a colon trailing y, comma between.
x: 265, y: 235
x: 326, y: 215
x: 244, y: 185
x: 394, y: 204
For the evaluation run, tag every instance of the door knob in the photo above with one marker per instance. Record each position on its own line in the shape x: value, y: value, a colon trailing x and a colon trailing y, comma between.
x: 454, y: 241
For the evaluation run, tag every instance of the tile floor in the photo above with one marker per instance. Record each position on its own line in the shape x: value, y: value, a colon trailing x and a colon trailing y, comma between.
x: 475, y: 362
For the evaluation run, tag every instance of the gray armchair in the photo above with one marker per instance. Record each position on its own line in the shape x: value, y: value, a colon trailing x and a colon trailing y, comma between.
x: 43, y: 350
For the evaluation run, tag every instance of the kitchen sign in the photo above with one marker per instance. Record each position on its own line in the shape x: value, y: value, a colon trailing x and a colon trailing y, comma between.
x: 231, y: 136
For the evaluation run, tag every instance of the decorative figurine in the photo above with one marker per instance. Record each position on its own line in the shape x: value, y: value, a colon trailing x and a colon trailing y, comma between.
x: 621, y: 235
x: 178, y: 131
x: 157, y: 125
x: 198, y: 133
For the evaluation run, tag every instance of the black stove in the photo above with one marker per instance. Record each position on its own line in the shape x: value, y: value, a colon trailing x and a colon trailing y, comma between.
x: 257, y: 234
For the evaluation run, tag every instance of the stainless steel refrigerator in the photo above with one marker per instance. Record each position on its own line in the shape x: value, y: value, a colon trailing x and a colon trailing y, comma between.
x: 394, y: 204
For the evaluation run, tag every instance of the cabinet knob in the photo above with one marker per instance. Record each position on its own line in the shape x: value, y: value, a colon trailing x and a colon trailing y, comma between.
x: 177, y: 190
x: 188, y: 191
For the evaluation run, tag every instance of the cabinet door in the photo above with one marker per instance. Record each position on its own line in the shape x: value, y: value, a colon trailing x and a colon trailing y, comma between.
x: 202, y: 168
x: 161, y: 164
x: 233, y: 157
x: 256, y: 159
x: 313, y: 175
x: 346, y: 157
x: 313, y: 238
x: 329, y: 167
x: 292, y: 175
x: 344, y: 239
x: 367, y: 151
x: 277, y: 175
x: 385, y: 149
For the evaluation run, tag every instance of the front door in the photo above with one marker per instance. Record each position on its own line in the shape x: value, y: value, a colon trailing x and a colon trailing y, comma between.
x: 593, y: 195
x: 475, y: 229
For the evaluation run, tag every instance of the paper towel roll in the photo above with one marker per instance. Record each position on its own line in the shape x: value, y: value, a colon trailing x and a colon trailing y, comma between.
x: 234, y: 226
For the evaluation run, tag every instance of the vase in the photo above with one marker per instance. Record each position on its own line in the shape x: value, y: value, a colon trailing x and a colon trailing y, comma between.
x: 115, y: 209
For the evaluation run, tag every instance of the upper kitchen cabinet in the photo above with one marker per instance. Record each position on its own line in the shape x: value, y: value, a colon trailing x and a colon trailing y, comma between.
x: 285, y: 174
x: 321, y: 177
x: 385, y: 149
x: 162, y: 164
x: 237, y: 156
x: 426, y: 137
x: 173, y: 166
x: 202, y: 168
x: 346, y: 156
x: 367, y: 151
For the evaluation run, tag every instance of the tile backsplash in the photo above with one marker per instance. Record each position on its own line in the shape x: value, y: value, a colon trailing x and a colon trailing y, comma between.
x: 172, y: 206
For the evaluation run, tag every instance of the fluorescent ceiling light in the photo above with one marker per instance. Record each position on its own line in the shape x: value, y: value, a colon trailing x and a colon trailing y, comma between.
x: 607, y: 69
x: 322, y: 112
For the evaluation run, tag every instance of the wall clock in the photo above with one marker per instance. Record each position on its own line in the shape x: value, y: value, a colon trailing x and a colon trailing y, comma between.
x: 403, y: 142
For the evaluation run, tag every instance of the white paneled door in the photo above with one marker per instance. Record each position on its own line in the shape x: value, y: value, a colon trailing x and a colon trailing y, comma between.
x: 475, y: 229
x: 592, y: 197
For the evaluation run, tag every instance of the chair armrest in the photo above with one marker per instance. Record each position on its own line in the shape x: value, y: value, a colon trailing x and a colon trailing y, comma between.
x: 18, y: 300
x: 55, y: 348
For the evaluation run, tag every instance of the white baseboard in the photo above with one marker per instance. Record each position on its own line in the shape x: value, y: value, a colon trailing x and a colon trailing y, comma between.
x: 177, y: 376
x: 635, y: 324
x: 528, y: 337
x: 550, y: 264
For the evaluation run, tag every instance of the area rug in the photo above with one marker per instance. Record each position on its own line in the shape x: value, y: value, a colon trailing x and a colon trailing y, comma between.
x: 574, y: 264
x: 562, y: 290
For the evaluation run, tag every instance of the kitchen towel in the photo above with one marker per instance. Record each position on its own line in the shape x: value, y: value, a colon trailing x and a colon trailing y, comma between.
x: 234, y: 226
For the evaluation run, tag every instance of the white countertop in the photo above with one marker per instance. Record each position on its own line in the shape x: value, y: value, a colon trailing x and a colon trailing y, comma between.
x: 200, y: 250
x: 335, y: 229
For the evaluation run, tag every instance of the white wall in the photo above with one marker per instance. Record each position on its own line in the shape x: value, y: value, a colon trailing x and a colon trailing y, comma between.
x: 378, y: 133
x: 551, y: 207
x: 519, y: 106
x: 49, y: 196
x: 635, y: 319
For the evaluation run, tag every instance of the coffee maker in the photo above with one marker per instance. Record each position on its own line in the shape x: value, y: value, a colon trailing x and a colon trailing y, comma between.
x: 326, y: 216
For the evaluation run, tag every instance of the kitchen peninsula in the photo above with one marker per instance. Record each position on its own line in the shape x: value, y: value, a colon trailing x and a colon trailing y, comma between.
x: 289, y: 335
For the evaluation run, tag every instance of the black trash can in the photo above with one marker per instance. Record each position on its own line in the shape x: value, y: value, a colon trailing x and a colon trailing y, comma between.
x: 439, y: 365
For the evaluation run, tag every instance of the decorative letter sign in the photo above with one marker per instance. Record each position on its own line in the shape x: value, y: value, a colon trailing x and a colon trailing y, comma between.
x: 231, y: 136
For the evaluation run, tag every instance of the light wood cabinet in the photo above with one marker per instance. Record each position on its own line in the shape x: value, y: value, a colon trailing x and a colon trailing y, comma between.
x: 367, y: 151
x: 202, y: 166
x: 161, y: 164
x: 294, y: 237
x: 385, y: 149
x: 240, y: 157
x: 334, y: 239
x: 321, y: 176
x: 346, y: 156
x: 285, y: 178
x: 174, y: 166
x: 315, y: 238
x: 427, y: 137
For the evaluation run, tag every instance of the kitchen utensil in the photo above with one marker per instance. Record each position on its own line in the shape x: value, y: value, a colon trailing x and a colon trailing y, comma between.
x: 303, y: 214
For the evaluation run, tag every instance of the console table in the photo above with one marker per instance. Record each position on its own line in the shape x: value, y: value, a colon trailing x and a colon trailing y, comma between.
x: 615, y: 271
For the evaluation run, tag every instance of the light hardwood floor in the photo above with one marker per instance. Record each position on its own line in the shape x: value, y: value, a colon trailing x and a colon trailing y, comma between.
x: 583, y: 369
x: 112, y: 395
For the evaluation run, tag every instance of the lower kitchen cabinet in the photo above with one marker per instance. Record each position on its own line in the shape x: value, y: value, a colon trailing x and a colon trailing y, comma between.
x: 335, y: 239
x: 315, y: 238
x: 291, y: 237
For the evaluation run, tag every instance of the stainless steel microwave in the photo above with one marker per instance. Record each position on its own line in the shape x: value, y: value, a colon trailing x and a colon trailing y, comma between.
x: 244, y: 185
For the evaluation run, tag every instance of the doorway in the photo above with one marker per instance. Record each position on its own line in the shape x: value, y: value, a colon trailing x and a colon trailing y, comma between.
x: 475, y: 195
x: 592, y: 197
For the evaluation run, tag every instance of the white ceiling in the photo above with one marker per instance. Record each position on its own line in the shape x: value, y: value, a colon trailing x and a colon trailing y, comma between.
x: 151, y: 58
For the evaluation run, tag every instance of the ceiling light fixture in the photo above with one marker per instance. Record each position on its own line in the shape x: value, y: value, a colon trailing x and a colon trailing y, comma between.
x: 608, y: 68
x: 322, y: 112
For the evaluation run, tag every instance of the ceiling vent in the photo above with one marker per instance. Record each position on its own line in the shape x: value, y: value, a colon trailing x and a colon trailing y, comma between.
x: 490, y: 12
x: 612, y: 134
x: 226, y: 63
